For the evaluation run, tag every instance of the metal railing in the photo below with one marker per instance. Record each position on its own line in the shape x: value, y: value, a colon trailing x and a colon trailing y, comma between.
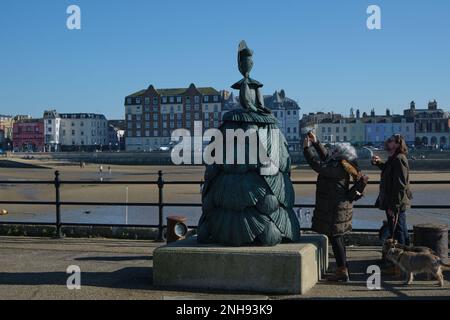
x: 160, y: 183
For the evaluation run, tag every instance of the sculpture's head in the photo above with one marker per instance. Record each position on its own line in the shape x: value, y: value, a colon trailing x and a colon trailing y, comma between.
x: 245, y: 59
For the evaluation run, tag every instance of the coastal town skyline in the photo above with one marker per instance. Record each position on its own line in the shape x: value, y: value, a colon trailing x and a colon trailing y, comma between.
x: 326, y: 61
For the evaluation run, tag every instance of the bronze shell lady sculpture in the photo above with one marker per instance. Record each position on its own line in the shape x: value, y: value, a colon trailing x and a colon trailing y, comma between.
x: 245, y: 203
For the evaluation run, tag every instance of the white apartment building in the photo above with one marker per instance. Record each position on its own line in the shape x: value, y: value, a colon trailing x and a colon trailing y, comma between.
x: 75, y: 131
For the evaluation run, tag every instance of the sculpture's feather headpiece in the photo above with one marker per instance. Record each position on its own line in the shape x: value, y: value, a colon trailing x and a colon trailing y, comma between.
x: 245, y: 62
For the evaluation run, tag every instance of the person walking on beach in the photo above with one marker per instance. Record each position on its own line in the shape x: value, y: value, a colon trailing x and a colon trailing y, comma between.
x: 334, y: 198
x: 395, y: 193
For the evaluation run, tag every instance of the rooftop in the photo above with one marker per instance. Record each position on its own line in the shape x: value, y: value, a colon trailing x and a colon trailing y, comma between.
x: 170, y: 92
x: 35, y: 268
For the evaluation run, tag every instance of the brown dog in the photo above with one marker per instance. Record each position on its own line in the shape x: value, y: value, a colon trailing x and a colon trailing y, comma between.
x: 391, y: 244
x: 414, y: 263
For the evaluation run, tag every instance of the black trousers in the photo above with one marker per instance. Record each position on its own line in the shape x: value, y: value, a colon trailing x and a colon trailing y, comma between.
x: 339, y: 250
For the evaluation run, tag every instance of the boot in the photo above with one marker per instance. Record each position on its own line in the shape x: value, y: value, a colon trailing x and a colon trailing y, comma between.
x: 341, y: 275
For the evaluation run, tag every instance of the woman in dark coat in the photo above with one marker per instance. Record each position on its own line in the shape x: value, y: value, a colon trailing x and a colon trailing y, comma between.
x: 395, y: 193
x: 334, y: 209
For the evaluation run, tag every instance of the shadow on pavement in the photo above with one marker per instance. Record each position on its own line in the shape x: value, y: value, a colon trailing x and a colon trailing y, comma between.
x: 114, y: 259
x: 126, y: 278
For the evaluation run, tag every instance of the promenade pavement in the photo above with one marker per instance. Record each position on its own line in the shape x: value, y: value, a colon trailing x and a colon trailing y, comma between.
x: 35, y: 268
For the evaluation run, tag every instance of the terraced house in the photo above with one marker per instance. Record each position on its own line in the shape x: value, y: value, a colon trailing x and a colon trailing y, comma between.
x: 432, y: 125
x: 153, y: 114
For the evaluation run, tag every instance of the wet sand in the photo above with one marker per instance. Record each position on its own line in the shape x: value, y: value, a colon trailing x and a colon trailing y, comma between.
x: 363, y: 218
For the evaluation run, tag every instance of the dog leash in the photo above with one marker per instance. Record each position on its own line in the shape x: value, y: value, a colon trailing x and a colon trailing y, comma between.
x: 396, y: 217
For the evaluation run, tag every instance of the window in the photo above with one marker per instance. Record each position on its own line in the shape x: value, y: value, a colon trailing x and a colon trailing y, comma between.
x: 147, y: 116
x: 138, y: 100
x: 155, y: 101
x: 49, y: 129
x: 73, y: 132
x: 147, y: 133
x: 129, y: 117
x: 216, y: 108
x: 147, y: 108
x: 155, y: 125
x: 155, y: 133
x: 206, y: 99
x: 172, y: 99
x: 216, y: 98
x: 164, y: 99
x: 138, y: 117
x: 179, y: 100
x: 197, y: 99
x: 188, y: 100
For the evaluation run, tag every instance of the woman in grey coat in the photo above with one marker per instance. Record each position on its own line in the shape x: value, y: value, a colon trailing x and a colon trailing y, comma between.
x: 334, y: 198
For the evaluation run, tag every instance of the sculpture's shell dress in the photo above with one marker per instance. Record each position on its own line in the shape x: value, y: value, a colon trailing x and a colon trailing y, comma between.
x: 241, y: 206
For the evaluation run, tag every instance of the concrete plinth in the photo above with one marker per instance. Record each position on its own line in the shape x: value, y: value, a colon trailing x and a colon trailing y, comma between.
x: 284, y: 269
x: 321, y: 243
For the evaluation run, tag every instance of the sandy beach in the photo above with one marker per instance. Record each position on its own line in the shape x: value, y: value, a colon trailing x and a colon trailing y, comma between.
x: 363, y: 218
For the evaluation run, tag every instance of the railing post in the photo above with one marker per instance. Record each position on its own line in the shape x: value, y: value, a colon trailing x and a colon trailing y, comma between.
x: 160, y: 207
x: 58, y: 206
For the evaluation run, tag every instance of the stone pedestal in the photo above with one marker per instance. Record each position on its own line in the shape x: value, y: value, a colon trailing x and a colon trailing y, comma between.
x: 283, y: 269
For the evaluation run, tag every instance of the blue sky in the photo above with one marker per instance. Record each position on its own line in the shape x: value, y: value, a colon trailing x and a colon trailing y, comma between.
x: 319, y: 51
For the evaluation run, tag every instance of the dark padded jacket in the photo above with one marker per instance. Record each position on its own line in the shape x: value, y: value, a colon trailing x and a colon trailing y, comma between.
x: 395, y: 193
x: 333, y: 212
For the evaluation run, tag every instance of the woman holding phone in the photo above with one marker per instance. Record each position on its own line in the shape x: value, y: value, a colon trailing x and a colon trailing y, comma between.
x: 395, y: 193
x: 333, y: 211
